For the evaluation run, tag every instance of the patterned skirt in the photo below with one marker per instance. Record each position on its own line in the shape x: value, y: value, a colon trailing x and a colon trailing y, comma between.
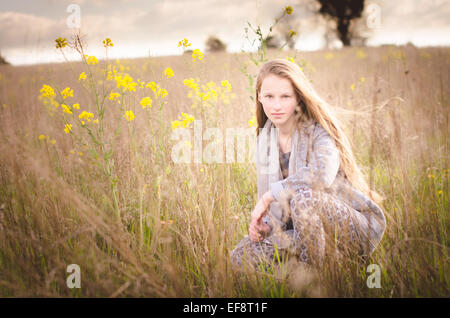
x: 317, y: 218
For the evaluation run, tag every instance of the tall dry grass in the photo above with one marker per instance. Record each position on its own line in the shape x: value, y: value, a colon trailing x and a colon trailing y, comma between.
x: 178, y: 222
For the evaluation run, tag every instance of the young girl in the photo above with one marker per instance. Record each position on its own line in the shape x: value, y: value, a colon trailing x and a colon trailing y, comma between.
x: 310, y: 189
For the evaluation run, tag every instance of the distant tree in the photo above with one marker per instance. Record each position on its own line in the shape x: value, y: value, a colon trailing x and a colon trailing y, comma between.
x: 343, y: 12
x: 272, y: 42
x: 2, y: 60
x: 214, y: 44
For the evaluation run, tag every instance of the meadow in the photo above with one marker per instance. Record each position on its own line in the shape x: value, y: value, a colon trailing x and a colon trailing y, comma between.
x: 86, y: 175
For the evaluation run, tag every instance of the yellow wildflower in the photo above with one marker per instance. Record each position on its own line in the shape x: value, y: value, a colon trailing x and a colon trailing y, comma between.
x: 41, y: 137
x: 76, y: 106
x: 168, y: 72
x: 113, y: 96
x: 162, y: 92
x: 91, y: 59
x: 251, y: 122
x: 95, y: 121
x: 126, y: 82
x: 362, y: 79
x: 290, y: 59
x: 86, y: 115
x: 352, y: 87
x: 61, y: 42
x: 66, y: 109
x: 292, y: 33
x: 288, y: 10
x: 47, y: 91
x: 67, y: 92
x: 107, y: 42
x: 146, y: 102
x: 226, y: 84
x: 68, y: 128
x: 175, y: 124
x: 82, y: 77
x: 197, y: 54
x: 53, y: 141
x: 184, y: 121
x: 187, y: 119
x: 184, y: 43
x: 151, y: 85
x: 129, y: 115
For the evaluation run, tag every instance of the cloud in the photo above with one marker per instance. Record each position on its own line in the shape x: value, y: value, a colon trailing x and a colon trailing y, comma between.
x: 25, y: 30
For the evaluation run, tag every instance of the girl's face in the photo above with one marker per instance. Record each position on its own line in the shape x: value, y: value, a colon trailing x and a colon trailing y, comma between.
x: 278, y: 99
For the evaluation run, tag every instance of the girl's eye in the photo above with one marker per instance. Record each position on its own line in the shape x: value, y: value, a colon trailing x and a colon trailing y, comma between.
x: 268, y: 96
x: 286, y: 96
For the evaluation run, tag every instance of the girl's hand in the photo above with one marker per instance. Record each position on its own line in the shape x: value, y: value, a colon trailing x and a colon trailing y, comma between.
x: 257, y: 228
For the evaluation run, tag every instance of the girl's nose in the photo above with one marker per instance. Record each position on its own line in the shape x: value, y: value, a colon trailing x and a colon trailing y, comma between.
x: 277, y: 103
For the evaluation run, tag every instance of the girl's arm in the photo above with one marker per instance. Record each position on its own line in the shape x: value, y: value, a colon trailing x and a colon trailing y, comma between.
x: 320, y: 172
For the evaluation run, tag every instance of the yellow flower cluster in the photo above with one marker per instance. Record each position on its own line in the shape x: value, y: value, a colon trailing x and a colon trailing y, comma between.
x: 68, y: 128
x: 197, y: 54
x: 47, y: 138
x: 226, y: 84
x: 91, y: 59
x: 107, y: 42
x: 67, y: 92
x: 66, y: 109
x: 184, y: 43
x: 125, y: 81
x: 82, y: 77
x: 129, y: 115
x: 252, y: 121
x: 47, y: 91
x: 157, y: 90
x: 209, y: 93
x: 146, y: 102
x: 183, y: 122
x: 288, y: 10
x: 47, y: 97
x: 168, y: 72
x: 113, y: 96
x: 61, y: 42
x: 86, y: 115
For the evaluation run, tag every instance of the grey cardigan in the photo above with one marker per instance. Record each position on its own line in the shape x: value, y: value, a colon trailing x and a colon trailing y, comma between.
x: 314, y: 161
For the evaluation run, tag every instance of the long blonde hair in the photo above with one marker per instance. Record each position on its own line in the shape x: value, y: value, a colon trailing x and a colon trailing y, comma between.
x: 312, y: 106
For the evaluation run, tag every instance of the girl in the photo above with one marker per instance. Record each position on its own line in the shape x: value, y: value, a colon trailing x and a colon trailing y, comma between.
x: 309, y: 184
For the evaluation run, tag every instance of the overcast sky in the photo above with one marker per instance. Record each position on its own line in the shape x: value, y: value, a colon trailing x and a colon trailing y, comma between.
x: 154, y: 27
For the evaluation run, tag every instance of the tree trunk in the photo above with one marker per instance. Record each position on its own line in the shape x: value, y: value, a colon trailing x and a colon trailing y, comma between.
x: 343, y: 26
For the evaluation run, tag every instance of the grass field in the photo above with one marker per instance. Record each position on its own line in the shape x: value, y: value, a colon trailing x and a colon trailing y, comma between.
x: 108, y: 197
